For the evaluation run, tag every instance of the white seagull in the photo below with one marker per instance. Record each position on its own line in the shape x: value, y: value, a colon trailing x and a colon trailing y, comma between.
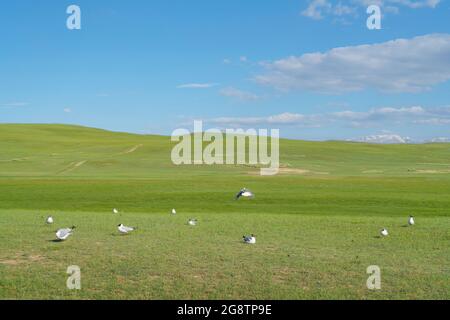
x: 384, y: 232
x: 250, y: 239
x: 49, y: 220
x: 411, y: 221
x: 245, y: 193
x: 192, y: 222
x: 115, y: 211
x: 174, y: 211
x: 124, y: 229
x: 63, y: 234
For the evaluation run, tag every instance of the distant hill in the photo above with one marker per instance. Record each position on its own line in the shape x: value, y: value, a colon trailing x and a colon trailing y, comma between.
x: 38, y: 150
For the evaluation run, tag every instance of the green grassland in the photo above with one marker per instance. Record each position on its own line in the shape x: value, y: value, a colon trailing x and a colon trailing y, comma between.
x: 317, y: 222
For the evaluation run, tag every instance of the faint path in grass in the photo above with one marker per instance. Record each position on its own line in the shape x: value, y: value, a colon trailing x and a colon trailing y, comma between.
x: 133, y: 149
x: 75, y: 165
x: 293, y: 171
x: 432, y: 171
x: 72, y: 166
x: 19, y: 259
x: 15, y: 160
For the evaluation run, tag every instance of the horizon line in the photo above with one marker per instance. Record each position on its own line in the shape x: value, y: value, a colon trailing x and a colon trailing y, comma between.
x: 409, y: 142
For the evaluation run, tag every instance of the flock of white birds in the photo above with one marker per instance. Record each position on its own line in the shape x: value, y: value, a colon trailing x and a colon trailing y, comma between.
x: 384, y: 232
x: 64, y: 233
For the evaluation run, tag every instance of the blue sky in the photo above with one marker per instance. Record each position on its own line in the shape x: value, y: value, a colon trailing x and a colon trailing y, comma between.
x: 154, y: 66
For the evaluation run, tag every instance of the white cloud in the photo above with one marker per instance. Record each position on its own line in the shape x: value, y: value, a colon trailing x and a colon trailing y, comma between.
x: 236, y: 121
x: 381, y: 114
x: 67, y: 110
x: 403, y: 118
x: 397, y: 139
x: 413, y: 4
x: 402, y: 65
x: 239, y: 94
x: 315, y: 9
x: 290, y: 119
x: 287, y: 118
x: 378, y: 116
x: 384, y: 139
x: 440, y: 140
x: 343, y: 10
x: 318, y: 9
x: 197, y: 85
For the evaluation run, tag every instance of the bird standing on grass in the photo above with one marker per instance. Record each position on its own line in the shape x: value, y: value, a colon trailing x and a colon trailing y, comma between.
x: 249, y: 239
x: 411, y: 221
x: 245, y: 193
x: 192, y: 222
x: 49, y: 220
x: 384, y: 232
x: 124, y: 229
x: 174, y: 211
x: 63, y: 234
x: 115, y: 211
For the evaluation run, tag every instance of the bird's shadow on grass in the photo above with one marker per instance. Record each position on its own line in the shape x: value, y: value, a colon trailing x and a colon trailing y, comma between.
x: 55, y: 241
x: 120, y: 234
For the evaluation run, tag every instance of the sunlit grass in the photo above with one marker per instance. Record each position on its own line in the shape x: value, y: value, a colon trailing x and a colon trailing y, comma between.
x: 317, y: 228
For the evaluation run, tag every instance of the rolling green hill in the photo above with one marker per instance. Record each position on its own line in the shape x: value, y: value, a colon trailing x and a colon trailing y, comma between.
x: 55, y: 151
x: 39, y: 161
x: 317, y: 221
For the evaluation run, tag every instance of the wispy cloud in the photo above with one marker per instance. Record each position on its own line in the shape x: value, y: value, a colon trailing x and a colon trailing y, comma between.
x: 440, y: 140
x: 67, y: 110
x: 383, y: 139
x: 15, y: 104
x: 319, y: 9
x: 316, y: 9
x: 279, y: 119
x: 381, y: 114
x: 433, y: 121
x: 239, y: 94
x: 402, y: 65
x: 197, y: 85
x: 413, y: 4
x: 374, y: 117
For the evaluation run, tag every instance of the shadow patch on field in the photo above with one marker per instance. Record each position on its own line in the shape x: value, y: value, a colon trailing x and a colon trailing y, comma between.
x: 55, y: 241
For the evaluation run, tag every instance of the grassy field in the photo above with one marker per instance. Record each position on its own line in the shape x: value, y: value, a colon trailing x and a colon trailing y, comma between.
x: 317, y: 222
